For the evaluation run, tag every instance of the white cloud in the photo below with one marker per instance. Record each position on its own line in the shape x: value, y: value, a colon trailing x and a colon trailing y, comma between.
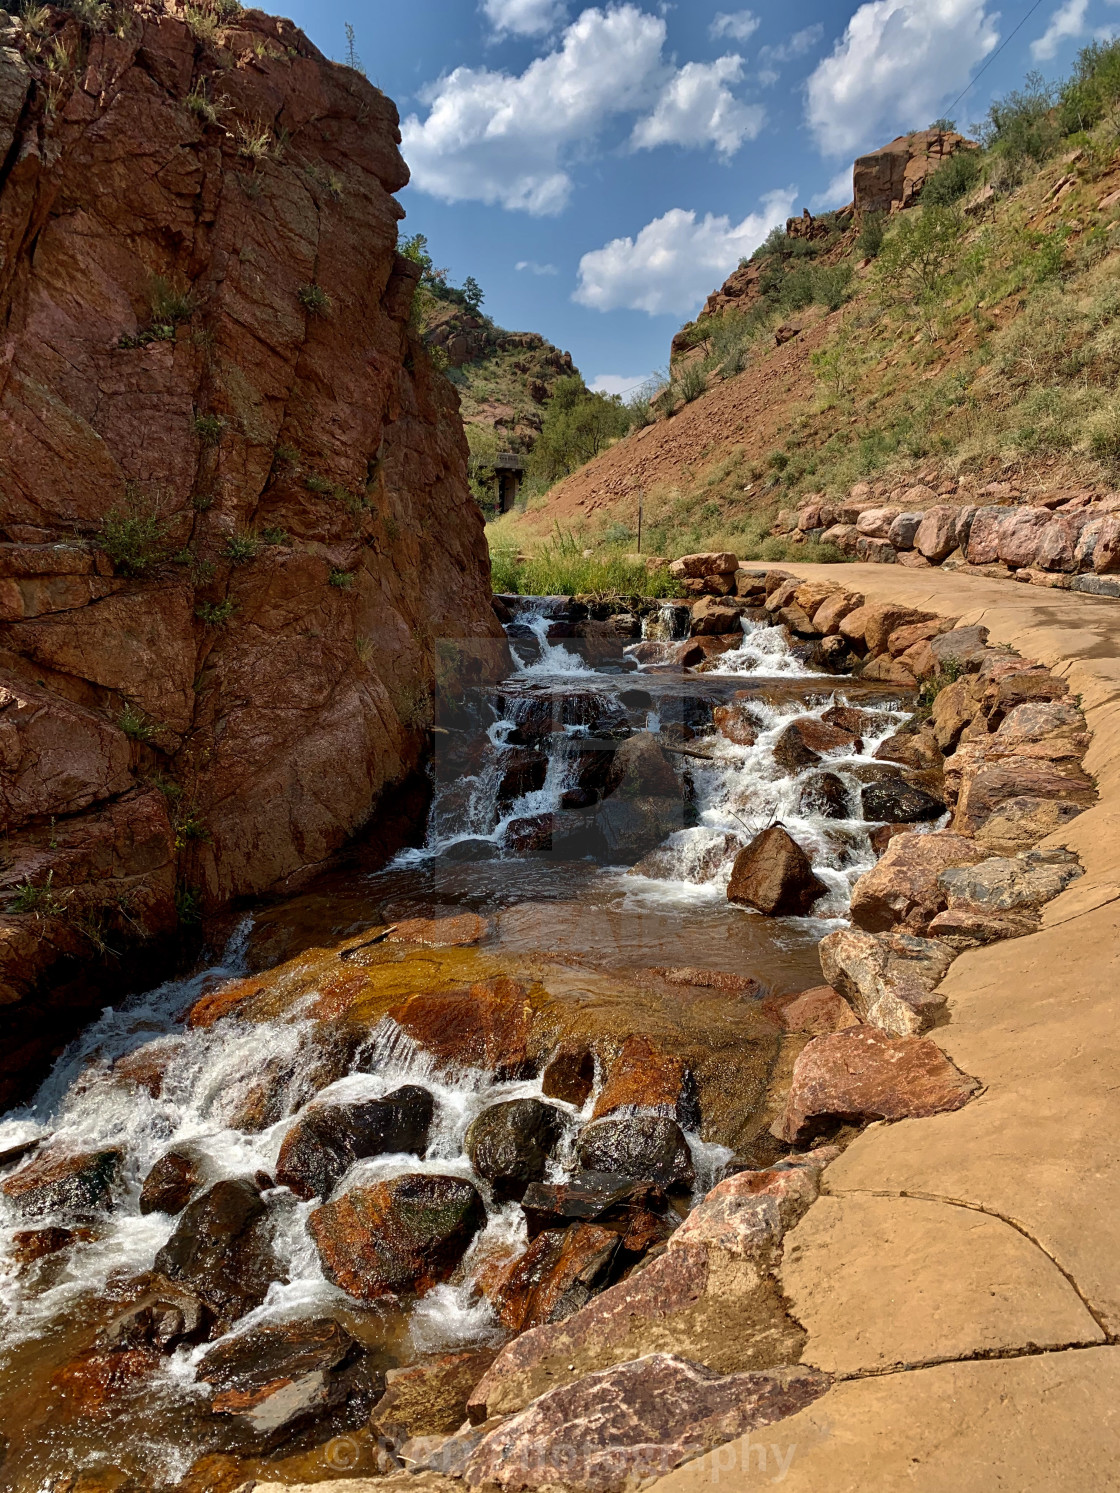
x: 500, y: 138
x: 675, y: 260
x: 619, y: 383
x: 696, y: 107
x: 536, y: 269
x: 799, y: 43
x: 523, y: 17
x: 896, y: 62
x: 838, y: 193
x: 737, y: 24
x: 1066, y: 22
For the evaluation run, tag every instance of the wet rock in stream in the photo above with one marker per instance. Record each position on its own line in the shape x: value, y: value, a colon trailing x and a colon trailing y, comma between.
x: 487, y: 1025
x: 430, y: 1398
x: 893, y: 801
x: 775, y: 876
x: 173, y: 1180
x: 569, y: 1074
x: 559, y: 1273
x: 509, y: 1144
x: 404, y: 1235
x: 645, y: 1147
x: 327, y: 1139
x: 222, y: 1249
x: 641, y: 1077
x: 275, y: 1379
x: 54, y: 1183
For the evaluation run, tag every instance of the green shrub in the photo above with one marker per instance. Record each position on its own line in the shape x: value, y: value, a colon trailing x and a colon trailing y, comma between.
x: 1021, y: 126
x: 690, y: 382
x: 134, y: 537
x: 42, y: 900
x: 872, y: 230
x: 1094, y: 88
x: 241, y: 548
x: 286, y: 456
x: 314, y: 483
x: 208, y: 428
x: 343, y: 579
x: 171, y: 302
x: 274, y: 535
x: 202, y: 107
x: 314, y: 300
x: 952, y: 179
x: 577, y: 425
x: 188, y: 905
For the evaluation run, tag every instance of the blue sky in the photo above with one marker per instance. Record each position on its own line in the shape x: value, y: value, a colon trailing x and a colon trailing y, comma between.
x: 600, y: 169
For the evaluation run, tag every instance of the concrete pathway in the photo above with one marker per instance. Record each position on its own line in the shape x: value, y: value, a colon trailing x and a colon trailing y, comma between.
x: 962, y: 1275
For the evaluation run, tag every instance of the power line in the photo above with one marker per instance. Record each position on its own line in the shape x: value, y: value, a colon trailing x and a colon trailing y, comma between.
x: 1010, y: 37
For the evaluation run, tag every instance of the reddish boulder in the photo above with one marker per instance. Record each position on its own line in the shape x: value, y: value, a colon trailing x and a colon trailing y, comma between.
x: 734, y: 722
x: 903, y: 887
x: 559, y: 1273
x: 891, y: 980
x: 94, y: 1384
x: 403, y: 1235
x: 173, y: 1180
x: 894, y: 175
x: 938, y: 534
x: 775, y: 876
x: 831, y: 612
x: 816, y: 1011
x: 487, y: 1026
x: 641, y: 1077
x: 430, y: 1398
x: 1020, y: 536
x: 861, y: 1075
x: 689, y: 567
x: 569, y: 1074
x: 711, y: 616
x: 29, y: 1245
x: 53, y: 1183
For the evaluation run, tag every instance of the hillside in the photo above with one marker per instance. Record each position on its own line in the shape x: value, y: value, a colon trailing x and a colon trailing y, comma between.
x: 966, y: 343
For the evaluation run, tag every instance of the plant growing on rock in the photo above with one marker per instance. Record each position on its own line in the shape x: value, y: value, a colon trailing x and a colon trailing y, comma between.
x: 241, y: 548
x: 314, y: 300
x: 208, y: 428
x: 342, y: 579
x: 42, y: 900
x: 215, y: 613
x: 199, y: 103
x: 134, y: 723
x: 274, y: 535
x: 134, y: 537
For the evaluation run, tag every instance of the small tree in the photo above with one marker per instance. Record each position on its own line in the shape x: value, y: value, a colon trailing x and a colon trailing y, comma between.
x: 918, y: 257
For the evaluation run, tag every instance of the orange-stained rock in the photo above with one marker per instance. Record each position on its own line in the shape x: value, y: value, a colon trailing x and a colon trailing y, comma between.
x: 709, y: 979
x: 285, y: 390
x: 487, y: 1026
x: 775, y: 876
x: 831, y: 612
x: 441, y: 933
x: 817, y: 1011
x: 903, y: 887
x: 53, y: 1183
x: 860, y: 1075
x: 430, y: 1398
x: 569, y: 1074
x: 403, y: 1235
x: 225, y: 1001
x: 736, y: 724
x: 894, y: 175
x: 89, y: 1386
x: 556, y: 1275
x: 644, y: 1078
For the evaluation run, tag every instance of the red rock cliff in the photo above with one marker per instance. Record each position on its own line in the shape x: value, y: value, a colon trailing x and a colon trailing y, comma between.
x: 233, y: 497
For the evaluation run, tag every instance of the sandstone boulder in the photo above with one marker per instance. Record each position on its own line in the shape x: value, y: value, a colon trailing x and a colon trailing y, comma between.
x: 983, y: 546
x: 890, y: 980
x: 713, y: 563
x: 641, y: 768
x: 1020, y: 823
x: 815, y: 1011
x: 894, y: 175
x: 711, y: 616
x: 903, y: 530
x: 775, y: 876
x: 430, y: 1397
x: 963, y: 646
x: 862, y: 1075
x: 509, y: 1144
x: 904, y: 887
x: 938, y: 534
x: 633, y: 1423
x: 173, y: 1180
x: 735, y: 722
x: 875, y: 523
x: 750, y: 1211
x: 327, y: 1139
x: 1010, y: 884
x: 829, y: 615
x: 54, y: 1182
x: 440, y: 933
x: 403, y: 1235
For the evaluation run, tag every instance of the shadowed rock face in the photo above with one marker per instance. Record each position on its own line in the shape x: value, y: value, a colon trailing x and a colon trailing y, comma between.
x: 205, y: 339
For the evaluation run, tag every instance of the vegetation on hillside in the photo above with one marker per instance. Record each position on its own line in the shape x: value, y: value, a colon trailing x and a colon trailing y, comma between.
x: 976, y: 333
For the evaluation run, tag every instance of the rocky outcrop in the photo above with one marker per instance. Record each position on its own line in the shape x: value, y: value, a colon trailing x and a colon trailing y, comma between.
x: 894, y: 176
x: 234, y: 516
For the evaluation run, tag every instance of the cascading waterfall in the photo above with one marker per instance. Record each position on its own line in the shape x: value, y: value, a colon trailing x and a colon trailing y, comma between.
x: 552, y: 711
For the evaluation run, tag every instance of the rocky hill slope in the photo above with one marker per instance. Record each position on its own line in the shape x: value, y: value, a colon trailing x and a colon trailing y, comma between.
x: 963, y: 343
x: 233, y: 502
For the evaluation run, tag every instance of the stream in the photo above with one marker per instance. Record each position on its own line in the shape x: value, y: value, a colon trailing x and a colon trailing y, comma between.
x: 608, y: 901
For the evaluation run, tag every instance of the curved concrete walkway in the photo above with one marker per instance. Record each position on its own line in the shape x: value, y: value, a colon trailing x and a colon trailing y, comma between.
x: 961, y: 1277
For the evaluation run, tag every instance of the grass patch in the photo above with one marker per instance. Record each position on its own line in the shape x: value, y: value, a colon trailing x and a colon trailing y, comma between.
x: 135, y: 724
x: 241, y: 548
x: 559, y: 568
x: 314, y: 300
x: 216, y: 613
